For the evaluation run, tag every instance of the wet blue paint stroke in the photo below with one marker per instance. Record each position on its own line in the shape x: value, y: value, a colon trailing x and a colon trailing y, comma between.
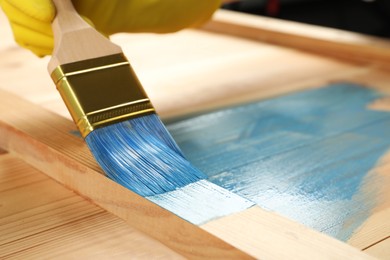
x: 304, y: 155
x: 201, y: 202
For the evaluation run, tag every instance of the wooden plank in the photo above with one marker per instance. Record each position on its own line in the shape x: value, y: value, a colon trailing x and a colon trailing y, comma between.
x: 202, y: 62
x: 54, y: 152
x: 296, y: 155
x: 377, y: 226
x: 41, y: 219
x: 227, y: 76
x: 325, y: 41
x: 283, y: 238
x: 44, y: 141
x: 253, y: 71
x: 186, y: 72
x: 380, y: 250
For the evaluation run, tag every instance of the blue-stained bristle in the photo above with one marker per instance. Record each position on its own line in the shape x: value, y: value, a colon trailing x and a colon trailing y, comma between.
x: 141, y: 155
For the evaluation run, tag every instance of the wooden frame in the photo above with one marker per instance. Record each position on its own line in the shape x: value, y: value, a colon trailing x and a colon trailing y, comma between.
x: 324, y: 41
x: 41, y: 145
x: 40, y: 142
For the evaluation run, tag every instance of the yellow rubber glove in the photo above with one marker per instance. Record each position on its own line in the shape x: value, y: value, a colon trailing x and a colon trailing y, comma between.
x: 30, y: 19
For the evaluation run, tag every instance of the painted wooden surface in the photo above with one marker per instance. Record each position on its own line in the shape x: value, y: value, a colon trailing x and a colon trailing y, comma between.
x: 53, y: 149
x: 48, y: 143
x: 318, y: 157
x: 216, y: 70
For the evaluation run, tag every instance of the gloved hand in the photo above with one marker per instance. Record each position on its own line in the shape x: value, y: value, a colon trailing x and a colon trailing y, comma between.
x: 31, y: 19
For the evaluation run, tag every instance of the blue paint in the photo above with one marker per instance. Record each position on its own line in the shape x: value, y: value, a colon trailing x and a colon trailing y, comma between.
x: 201, y: 202
x: 141, y: 155
x: 305, y: 156
x: 197, y: 202
x: 76, y: 133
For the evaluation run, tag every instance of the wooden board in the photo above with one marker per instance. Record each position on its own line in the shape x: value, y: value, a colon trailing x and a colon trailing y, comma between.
x: 42, y: 146
x: 39, y: 218
x: 217, y: 71
x: 319, y: 157
x: 325, y: 41
x: 380, y: 250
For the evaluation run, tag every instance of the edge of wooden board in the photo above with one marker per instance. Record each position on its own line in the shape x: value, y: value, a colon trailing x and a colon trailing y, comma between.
x: 44, y: 140
x: 381, y: 250
x: 327, y: 41
x: 279, y: 237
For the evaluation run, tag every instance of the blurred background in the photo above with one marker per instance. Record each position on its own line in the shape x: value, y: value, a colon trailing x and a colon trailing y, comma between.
x: 364, y: 16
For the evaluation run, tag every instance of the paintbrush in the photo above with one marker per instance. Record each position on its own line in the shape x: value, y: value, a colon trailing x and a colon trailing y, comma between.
x: 121, y: 127
x: 112, y: 111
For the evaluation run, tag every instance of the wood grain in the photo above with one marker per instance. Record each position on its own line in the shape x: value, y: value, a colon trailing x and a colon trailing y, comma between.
x: 188, y: 72
x: 324, y: 41
x: 66, y: 158
x: 296, y: 155
x: 254, y: 227
x: 381, y: 250
x: 39, y: 219
x: 41, y: 143
x: 377, y: 226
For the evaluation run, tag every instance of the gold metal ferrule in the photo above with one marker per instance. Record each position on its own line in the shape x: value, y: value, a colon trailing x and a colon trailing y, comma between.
x: 101, y: 91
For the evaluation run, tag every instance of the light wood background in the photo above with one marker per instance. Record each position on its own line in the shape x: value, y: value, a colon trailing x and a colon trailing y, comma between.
x: 187, y: 72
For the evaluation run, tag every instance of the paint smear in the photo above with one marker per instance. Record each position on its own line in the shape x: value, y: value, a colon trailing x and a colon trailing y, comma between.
x: 201, y: 202
x: 304, y: 156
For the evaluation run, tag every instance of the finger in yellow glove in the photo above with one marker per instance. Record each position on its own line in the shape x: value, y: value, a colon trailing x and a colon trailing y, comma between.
x: 31, y: 19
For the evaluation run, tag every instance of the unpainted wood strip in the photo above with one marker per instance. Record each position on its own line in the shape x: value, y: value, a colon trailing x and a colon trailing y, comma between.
x: 325, y: 41
x: 252, y: 76
x: 43, y: 139
x: 280, y: 238
x: 63, y: 225
x: 374, y: 77
x: 375, y: 229
x: 382, y: 104
x: 22, y: 134
x: 13, y: 181
x: 186, y: 72
x: 377, y: 226
x: 380, y: 250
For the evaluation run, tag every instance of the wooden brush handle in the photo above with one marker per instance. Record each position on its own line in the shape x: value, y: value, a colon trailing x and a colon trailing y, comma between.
x: 75, y: 39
